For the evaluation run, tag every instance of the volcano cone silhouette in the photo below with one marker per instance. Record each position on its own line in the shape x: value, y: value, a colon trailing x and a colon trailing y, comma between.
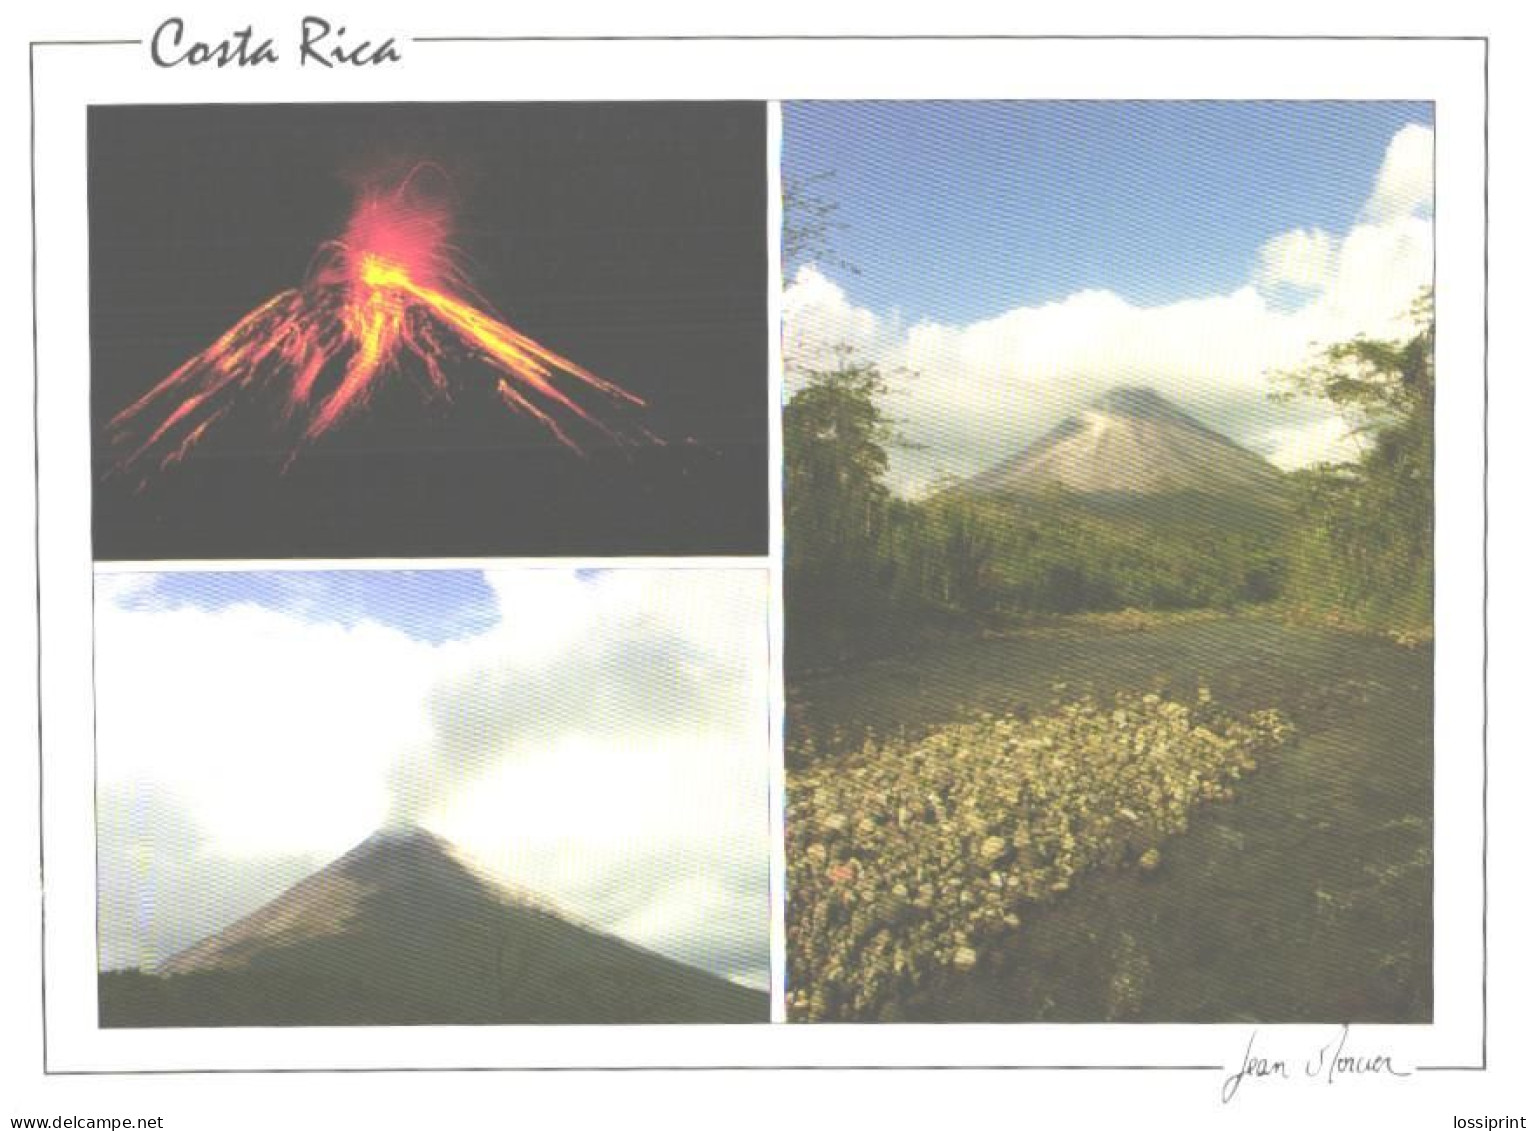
x: 386, y: 292
x: 400, y: 931
x: 1131, y: 441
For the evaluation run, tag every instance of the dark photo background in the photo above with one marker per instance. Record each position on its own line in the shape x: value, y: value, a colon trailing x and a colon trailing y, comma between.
x: 629, y: 237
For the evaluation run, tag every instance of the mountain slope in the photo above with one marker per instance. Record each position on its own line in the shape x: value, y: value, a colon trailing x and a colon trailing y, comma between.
x: 1132, y: 442
x: 400, y: 931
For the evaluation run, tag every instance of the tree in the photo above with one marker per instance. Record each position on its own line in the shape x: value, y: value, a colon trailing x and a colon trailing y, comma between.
x: 1363, y: 546
x: 809, y: 223
x: 837, y: 564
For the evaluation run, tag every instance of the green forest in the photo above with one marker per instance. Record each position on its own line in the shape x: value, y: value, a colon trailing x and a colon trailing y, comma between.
x: 1349, y: 544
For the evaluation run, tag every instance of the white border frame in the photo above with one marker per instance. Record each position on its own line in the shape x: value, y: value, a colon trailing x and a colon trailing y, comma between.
x: 1448, y: 73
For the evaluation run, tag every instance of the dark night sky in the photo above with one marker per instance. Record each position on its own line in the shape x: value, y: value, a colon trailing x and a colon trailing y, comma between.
x: 630, y: 237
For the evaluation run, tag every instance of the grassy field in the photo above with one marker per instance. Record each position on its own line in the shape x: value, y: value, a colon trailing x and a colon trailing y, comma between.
x: 1307, y: 898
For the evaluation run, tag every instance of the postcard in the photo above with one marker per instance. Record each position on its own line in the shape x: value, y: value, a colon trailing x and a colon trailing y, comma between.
x: 942, y: 574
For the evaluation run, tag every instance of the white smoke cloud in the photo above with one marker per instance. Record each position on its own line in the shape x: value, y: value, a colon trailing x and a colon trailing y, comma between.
x: 976, y: 392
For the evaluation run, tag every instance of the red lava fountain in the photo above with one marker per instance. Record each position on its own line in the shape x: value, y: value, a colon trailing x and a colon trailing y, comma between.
x: 388, y: 287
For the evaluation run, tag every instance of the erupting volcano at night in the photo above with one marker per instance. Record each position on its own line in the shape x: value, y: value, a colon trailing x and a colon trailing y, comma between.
x: 386, y: 291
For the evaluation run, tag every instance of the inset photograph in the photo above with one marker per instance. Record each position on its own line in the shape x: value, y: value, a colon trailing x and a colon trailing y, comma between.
x: 456, y: 330
x: 1109, y: 572
x: 437, y: 797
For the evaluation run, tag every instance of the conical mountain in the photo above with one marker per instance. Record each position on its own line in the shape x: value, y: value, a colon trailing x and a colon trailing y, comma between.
x: 400, y: 930
x: 399, y: 869
x: 1132, y: 441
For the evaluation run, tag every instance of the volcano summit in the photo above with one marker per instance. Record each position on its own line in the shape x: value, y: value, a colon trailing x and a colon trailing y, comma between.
x: 402, y: 931
x: 1131, y: 441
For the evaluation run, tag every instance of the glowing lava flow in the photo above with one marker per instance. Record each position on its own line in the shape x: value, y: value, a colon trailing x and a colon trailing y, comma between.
x: 386, y: 289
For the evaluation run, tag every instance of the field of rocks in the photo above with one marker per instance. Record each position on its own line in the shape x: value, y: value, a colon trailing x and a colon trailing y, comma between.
x: 1305, y: 898
x: 911, y: 859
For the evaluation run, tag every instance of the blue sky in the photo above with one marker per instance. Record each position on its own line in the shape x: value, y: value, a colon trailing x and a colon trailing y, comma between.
x: 434, y: 606
x: 957, y: 211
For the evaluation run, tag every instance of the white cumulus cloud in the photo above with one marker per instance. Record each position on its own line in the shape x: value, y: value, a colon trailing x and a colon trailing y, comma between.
x: 1328, y: 439
x: 1405, y: 184
x: 1303, y: 257
x: 819, y: 319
